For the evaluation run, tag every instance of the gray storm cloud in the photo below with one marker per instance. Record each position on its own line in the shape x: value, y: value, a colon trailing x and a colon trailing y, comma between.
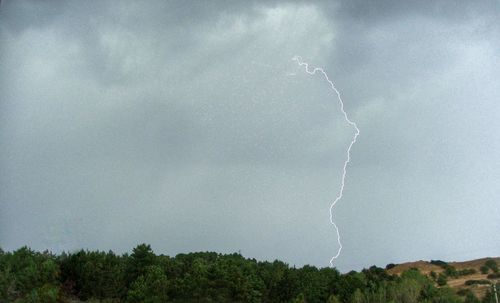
x: 188, y: 126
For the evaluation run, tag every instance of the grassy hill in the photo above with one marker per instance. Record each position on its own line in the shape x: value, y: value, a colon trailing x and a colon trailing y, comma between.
x: 461, y: 273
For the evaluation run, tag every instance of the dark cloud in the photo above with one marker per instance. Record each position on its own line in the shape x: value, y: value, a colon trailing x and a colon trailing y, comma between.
x: 18, y: 16
x: 188, y: 126
x: 371, y: 13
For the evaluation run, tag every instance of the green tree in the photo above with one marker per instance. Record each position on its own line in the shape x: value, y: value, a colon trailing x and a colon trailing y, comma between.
x: 25, y: 271
x: 358, y: 297
x: 347, y: 285
x: 141, y: 258
x: 94, y: 276
x: 406, y: 290
x: 49, y: 271
x: 7, y: 285
x: 152, y: 287
x: 313, y: 285
x: 446, y: 295
x: 333, y: 299
x: 471, y: 298
x: 138, y: 291
x: 48, y: 293
x: 299, y: 299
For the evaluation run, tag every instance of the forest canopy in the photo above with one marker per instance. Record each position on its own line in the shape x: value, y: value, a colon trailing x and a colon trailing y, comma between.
x: 143, y: 276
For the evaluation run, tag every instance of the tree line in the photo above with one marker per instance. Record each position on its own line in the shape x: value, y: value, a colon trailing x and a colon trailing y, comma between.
x: 143, y: 276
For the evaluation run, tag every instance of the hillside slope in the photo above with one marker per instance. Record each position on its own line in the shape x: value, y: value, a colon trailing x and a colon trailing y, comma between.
x: 465, y: 271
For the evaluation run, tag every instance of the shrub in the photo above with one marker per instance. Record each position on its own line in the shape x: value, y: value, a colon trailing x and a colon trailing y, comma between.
x: 478, y: 282
x: 450, y: 271
x: 434, y: 275
x: 494, y: 276
x: 492, y: 265
x: 484, y: 269
x: 439, y: 263
x: 466, y: 272
x: 441, y: 280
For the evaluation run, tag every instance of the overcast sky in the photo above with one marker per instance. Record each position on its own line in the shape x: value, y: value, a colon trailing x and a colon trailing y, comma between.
x: 187, y: 125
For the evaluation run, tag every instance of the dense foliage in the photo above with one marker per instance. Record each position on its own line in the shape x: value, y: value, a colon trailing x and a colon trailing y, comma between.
x: 142, y: 276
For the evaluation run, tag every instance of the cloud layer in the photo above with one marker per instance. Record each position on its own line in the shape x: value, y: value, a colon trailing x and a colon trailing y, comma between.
x: 189, y: 127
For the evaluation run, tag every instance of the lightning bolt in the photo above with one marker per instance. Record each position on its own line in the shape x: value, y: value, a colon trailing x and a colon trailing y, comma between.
x: 299, y: 61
